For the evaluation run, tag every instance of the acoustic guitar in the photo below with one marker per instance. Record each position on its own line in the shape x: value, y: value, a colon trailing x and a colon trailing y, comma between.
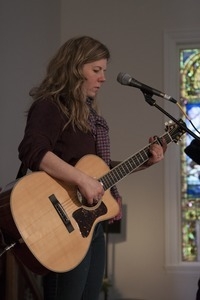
x: 52, y: 220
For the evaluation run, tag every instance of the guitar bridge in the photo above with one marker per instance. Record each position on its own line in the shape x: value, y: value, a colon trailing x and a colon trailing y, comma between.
x: 61, y: 212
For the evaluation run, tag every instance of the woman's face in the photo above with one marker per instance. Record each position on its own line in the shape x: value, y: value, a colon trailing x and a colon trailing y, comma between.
x: 94, y: 74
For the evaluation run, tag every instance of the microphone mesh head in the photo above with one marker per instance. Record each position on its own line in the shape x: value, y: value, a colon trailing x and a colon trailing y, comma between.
x: 124, y: 78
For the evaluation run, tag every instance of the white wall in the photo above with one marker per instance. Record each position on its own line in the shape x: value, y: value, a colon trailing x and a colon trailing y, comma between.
x: 133, y: 30
x: 30, y: 33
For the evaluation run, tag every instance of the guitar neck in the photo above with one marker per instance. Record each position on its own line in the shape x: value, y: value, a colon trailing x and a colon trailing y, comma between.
x: 129, y: 165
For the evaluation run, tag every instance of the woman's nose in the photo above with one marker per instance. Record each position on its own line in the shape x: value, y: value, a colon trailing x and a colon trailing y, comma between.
x: 102, y: 78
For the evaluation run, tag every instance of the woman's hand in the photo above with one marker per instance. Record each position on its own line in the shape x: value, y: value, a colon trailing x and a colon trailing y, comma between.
x: 91, y: 189
x: 157, y: 151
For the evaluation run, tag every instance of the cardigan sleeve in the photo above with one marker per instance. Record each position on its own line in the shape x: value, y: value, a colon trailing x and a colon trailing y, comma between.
x: 43, y: 127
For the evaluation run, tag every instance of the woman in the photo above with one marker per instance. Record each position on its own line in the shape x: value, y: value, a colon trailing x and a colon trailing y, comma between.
x: 63, y: 125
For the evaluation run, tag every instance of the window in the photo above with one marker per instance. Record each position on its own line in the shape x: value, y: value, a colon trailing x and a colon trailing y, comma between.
x: 181, y: 210
x: 190, y: 171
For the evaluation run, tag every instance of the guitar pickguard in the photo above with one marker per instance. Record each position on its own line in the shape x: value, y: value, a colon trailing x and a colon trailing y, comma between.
x: 85, y: 218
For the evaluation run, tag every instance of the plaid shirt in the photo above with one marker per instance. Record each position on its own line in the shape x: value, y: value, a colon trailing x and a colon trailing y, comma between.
x: 100, y: 131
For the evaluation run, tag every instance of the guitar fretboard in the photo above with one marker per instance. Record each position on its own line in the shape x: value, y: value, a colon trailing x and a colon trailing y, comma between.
x: 130, y: 164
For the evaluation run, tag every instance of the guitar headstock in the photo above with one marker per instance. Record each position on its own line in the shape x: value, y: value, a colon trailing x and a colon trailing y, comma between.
x: 176, y: 131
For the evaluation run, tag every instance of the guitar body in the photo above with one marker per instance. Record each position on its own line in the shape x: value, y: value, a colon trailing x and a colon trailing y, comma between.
x: 55, y: 226
x: 11, y: 235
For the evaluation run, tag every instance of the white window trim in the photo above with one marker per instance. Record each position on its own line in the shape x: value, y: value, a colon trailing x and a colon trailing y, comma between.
x: 173, y: 41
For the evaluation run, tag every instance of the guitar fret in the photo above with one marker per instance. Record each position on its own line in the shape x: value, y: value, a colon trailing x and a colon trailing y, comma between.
x: 129, y: 165
x: 115, y: 176
x: 119, y: 172
x: 132, y: 163
x: 137, y: 160
x: 126, y: 167
x: 105, y: 181
x: 142, y: 157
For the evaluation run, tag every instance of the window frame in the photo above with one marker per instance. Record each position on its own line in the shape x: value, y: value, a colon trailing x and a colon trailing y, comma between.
x: 173, y: 42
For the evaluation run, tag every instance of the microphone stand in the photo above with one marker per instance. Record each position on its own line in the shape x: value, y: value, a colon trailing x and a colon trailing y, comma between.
x: 180, y: 123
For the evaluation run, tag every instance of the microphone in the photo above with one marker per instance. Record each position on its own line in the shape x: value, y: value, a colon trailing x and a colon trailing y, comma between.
x: 126, y: 79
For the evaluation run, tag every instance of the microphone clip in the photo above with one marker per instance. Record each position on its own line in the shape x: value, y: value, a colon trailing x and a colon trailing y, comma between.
x: 148, y: 98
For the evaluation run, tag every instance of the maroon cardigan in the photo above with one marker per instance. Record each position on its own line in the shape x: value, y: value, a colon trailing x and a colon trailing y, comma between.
x: 44, y: 132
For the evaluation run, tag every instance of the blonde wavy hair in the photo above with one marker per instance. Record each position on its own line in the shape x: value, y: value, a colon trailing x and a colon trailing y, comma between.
x: 63, y: 81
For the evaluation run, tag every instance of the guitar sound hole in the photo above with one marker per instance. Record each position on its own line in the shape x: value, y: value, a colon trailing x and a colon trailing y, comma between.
x: 84, y: 202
